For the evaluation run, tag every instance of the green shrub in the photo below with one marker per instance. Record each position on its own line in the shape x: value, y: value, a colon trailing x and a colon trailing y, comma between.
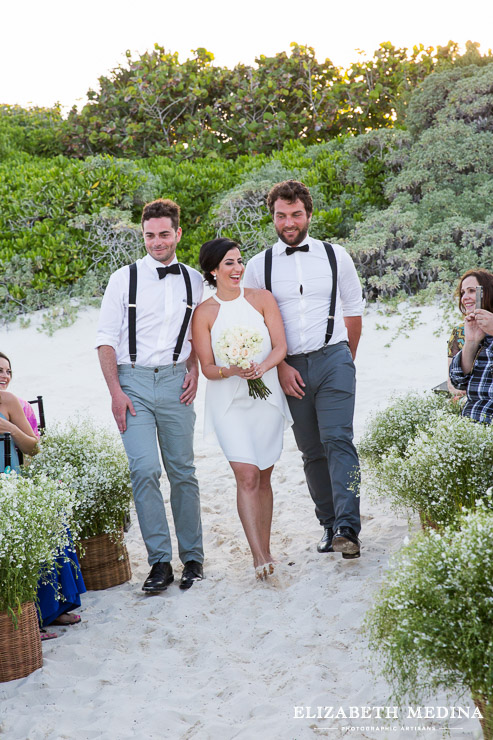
x: 446, y: 469
x: 394, y: 427
x: 431, y: 620
x: 35, y: 131
x: 34, y: 514
x: 91, y: 461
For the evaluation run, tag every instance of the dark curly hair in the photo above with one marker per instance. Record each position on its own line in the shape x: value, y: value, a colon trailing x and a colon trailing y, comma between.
x: 290, y: 191
x: 485, y: 279
x: 212, y: 253
x: 162, y: 208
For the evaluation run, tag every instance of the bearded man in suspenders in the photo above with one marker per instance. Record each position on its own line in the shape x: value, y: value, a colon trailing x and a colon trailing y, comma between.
x: 151, y: 370
x: 319, y: 294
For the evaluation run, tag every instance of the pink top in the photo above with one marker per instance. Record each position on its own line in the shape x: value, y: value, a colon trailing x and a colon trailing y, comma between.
x: 30, y: 416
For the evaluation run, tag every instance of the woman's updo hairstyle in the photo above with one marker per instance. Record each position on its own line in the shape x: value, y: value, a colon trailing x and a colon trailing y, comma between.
x: 211, y: 254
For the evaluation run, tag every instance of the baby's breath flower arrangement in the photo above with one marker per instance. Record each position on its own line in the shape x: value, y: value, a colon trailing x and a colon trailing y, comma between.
x: 395, y: 426
x: 444, y: 471
x: 33, y: 531
x: 91, y: 461
x: 431, y: 620
x: 238, y: 346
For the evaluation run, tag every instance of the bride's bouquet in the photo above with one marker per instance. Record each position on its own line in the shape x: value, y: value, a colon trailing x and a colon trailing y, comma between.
x: 238, y: 346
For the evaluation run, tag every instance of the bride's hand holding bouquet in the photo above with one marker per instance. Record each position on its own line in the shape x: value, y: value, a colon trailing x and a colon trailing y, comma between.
x: 237, y: 347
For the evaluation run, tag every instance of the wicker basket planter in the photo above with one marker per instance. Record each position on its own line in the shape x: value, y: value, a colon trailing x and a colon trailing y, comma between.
x: 486, y: 710
x: 104, y: 562
x: 20, y: 649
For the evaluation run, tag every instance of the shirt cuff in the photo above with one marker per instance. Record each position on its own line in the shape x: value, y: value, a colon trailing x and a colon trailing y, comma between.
x: 457, y: 375
x: 104, y: 339
x: 354, y: 309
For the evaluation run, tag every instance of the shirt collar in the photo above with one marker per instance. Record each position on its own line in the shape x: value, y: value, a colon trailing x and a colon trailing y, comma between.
x: 280, y: 246
x: 152, y: 264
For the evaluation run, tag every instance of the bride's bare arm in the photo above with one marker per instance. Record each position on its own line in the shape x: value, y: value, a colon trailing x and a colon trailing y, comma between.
x: 266, y: 303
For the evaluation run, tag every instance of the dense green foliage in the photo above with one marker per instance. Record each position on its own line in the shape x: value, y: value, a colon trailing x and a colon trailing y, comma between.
x: 157, y: 105
x: 439, y: 185
x: 411, y: 202
x: 65, y: 221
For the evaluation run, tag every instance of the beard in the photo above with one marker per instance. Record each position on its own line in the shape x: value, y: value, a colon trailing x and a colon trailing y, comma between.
x: 293, y: 239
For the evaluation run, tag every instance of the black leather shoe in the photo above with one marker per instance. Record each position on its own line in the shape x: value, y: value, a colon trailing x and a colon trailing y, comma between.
x: 159, y: 578
x: 192, y: 571
x: 346, y: 541
x: 325, y: 544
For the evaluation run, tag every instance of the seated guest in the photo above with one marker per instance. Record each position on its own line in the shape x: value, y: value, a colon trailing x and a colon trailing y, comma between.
x: 59, y: 593
x: 470, y: 369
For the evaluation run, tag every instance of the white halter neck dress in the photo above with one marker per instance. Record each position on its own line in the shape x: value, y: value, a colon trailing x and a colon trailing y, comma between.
x: 249, y: 430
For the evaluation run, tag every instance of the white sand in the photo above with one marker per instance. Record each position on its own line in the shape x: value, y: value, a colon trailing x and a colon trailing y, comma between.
x: 231, y: 658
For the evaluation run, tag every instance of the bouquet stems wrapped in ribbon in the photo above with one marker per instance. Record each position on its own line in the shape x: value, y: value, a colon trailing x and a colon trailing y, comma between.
x: 238, y: 346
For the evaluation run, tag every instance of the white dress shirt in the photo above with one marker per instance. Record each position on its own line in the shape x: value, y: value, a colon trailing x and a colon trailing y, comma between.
x: 302, y: 287
x: 161, y: 305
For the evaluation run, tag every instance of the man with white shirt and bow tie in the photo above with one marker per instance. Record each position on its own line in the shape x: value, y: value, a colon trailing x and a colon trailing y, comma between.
x: 151, y: 369
x: 320, y: 298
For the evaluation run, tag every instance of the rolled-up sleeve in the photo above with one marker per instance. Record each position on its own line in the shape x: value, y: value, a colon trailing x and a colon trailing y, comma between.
x: 350, y: 289
x: 458, y: 378
x: 251, y: 276
x: 112, y: 312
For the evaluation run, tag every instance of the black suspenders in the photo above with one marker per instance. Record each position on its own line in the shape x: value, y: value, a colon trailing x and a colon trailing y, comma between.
x: 188, y: 314
x: 333, y: 266
x: 268, y: 269
x: 132, y: 313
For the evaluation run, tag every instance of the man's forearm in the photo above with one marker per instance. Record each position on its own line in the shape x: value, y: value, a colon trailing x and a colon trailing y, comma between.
x: 193, y: 363
x: 107, y: 360
x: 353, y: 326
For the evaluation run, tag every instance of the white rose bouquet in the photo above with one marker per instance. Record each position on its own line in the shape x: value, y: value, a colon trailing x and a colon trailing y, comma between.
x: 238, y: 346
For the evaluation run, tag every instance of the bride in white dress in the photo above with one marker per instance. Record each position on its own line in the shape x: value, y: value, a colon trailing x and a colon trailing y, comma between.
x: 249, y: 430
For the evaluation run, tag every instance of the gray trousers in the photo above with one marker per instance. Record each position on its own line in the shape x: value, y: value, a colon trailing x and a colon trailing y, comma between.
x: 323, y: 428
x: 161, y: 418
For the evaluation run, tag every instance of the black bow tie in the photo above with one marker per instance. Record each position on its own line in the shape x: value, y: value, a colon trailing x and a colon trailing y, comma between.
x: 292, y: 250
x: 163, y: 271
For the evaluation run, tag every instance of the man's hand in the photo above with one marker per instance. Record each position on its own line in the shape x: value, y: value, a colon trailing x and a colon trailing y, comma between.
x: 190, y: 389
x: 290, y: 380
x: 120, y: 402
